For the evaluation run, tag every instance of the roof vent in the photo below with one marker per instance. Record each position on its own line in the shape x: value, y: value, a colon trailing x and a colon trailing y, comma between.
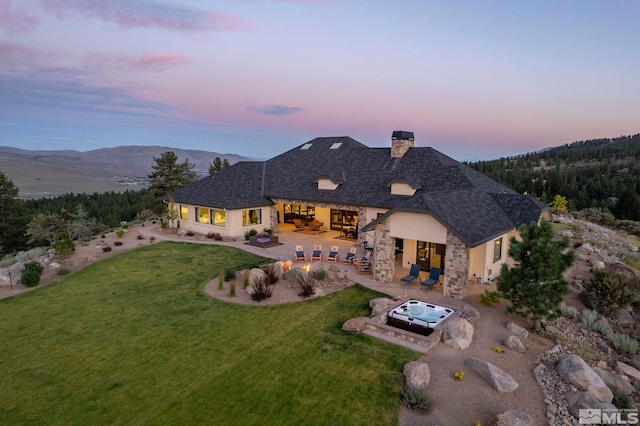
x: 336, y: 145
x: 306, y: 146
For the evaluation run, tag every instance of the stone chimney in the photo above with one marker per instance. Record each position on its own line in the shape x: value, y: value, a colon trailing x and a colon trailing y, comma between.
x: 401, y: 141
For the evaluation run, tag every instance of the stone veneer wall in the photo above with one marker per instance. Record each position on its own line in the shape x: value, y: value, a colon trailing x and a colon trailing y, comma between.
x: 456, y: 267
x: 399, y: 147
x: 384, y: 247
x: 273, y: 218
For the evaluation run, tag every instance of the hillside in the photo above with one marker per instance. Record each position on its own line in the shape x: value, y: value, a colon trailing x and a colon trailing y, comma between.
x: 50, y: 173
x: 601, y: 173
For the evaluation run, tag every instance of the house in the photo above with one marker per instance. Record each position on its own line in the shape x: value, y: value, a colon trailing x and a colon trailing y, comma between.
x: 409, y: 203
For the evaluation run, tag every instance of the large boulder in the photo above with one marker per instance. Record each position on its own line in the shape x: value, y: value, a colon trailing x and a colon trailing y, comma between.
x: 517, y: 330
x: 469, y: 313
x: 514, y: 418
x: 584, y: 400
x: 380, y: 300
x: 417, y: 374
x: 355, y: 324
x: 256, y: 274
x: 602, y: 324
x: 628, y: 370
x: 612, y: 380
x: 575, y: 371
x: 501, y: 381
x: 458, y: 333
x: 514, y: 343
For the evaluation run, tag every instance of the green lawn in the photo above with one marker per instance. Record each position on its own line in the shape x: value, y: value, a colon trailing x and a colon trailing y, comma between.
x: 134, y: 340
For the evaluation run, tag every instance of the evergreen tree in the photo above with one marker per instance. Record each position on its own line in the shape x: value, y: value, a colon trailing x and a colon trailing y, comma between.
x: 218, y: 165
x: 535, y: 285
x: 167, y: 176
x: 13, y: 217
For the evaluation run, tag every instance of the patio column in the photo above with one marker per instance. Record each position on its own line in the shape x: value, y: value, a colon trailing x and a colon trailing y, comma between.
x: 383, y: 253
x: 273, y: 218
x: 456, y: 267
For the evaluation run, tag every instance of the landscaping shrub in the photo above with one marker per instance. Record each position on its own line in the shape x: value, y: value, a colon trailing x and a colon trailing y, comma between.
x: 612, y: 289
x: 30, y: 278
x: 120, y: 233
x: 214, y: 236
x: 588, y: 318
x: 268, y: 231
x: 22, y: 256
x: 250, y: 233
x: 190, y: 234
x: 152, y: 239
x: 64, y: 271
x: 490, y: 298
x: 232, y: 288
x: 307, y: 286
x: 63, y: 245
x: 319, y: 274
x: 145, y: 215
x: 569, y: 311
x: 629, y: 226
x: 106, y: 249
x: 140, y: 237
x: 164, y: 225
x: 416, y: 399
x: 261, y: 290
x: 117, y: 243
x: 623, y: 344
x: 272, y: 273
x: 598, y: 216
x: 221, y: 280
x: 245, y: 279
x: 229, y: 274
x: 621, y: 400
x: 34, y: 266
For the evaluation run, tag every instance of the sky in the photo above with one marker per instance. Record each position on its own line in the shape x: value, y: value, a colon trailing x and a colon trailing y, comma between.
x: 476, y: 80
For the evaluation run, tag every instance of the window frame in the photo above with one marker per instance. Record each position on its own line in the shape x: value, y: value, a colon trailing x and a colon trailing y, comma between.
x: 497, y: 249
x: 246, y: 217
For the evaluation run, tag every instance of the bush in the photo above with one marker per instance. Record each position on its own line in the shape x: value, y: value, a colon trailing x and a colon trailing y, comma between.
x: 490, y: 298
x: 140, y: 237
x: 144, y: 215
x: 268, y: 231
x: 245, y: 279
x: 64, y: 271
x: 599, y: 216
x: 307, y: 287
x: 164, y: 225
x: 214, y: 236
x: 629, y: 226
x: 221, y: 276
x: 623, y: 344
x: 120, y: 233
x: 232, y: 289
x: 117, y: 243
x: 261, y: 290
x: 416, y: 399
x: 621, y: 400
x: 588, y: 318
x: 30, y: 278
x: 152, y: 239
x: 320, y: 274
x: 229, y: 274
x: 106, y: 249
x: 272, y: 272
x: 612, y: 289
x: 250, y: 233
x: 34, y: 267
x: 569, y: 311
x: 63, y: 245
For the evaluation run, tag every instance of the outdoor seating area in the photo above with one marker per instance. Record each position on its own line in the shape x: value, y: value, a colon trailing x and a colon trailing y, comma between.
x: 312, y: 227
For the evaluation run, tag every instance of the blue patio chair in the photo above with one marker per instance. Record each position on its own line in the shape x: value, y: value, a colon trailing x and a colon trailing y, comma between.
x: 414, y: 274
x: 364, y: 260
x: 434, y: 277
x: 317, y: 253
x: 333, y: 255
x: 350, y: 256
x: 364, y: 268
x: 300, y: 254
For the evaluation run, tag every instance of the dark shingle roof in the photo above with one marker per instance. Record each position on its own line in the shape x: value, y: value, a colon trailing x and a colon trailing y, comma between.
x: 236, y: 187
x: 473, y: 206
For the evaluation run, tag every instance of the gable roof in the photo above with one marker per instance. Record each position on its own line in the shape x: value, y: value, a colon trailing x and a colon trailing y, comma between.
x: 470, y: 204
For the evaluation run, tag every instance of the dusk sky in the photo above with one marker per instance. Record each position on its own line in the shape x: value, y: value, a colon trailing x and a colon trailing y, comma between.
x: 472, y: 79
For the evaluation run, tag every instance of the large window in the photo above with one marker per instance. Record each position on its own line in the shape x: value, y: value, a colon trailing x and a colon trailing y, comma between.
x: 219, y: 217
x: 295, y: 211
x: 430, y: 255
x: 251, y: 217
x: 497, y: 250
x: 202, y: 215
x: 184, y: 213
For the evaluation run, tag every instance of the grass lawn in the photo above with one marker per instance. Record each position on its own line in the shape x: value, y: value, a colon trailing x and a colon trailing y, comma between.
x: 134, y: 340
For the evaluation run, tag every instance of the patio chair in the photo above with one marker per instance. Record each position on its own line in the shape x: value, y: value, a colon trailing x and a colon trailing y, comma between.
x: 414, y: 274
x: 364, y: 268
x: 315, y: 224
x: 300, y: 254
x: 350, y: 256
x: 333, y: 255
x: 317, y: 253
x: 434, y: 277
x: 299, y: 225
x: 364, y: 260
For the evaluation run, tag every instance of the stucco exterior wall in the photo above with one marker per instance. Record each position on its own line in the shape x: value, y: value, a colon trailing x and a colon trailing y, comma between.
x: 415, y: 226
x: 191, y: 224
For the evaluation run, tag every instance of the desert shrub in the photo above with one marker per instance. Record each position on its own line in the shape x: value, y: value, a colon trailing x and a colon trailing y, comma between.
x: 623, y: 344
x: 261, y: 290
x: 416, y: 399
x: 319, y: 274
x: 602, y: 329
x: 30, y: 278
x: 245, y: 279
x: 250, y: 233
x: 164, y: 225
x: 621, y: 400
x: 120, y: 233
x: 221, y: 280
x: 569, y: 311
x: 588, y: 317
x: 106, y: 249
x: 599, y: 216
x: 630, y: 260
x: 33, y: 267
x: 272, y: 272
x: 152, y: 239
x: 25, y: 256
x: 232, y: 288
x: 229, y: 274
x: 612, y: 289
x: 490, y: 298
x: 117, y: 243
x: 64, y: 271
x: 63, y: 245
x: 214, y: 236
x: 629, y: 226
x: 307, y: 287
x: 144, y: 215
x: 140, y: 237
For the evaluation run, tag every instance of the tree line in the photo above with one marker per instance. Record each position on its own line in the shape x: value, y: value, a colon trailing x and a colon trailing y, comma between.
x: 599, y: 173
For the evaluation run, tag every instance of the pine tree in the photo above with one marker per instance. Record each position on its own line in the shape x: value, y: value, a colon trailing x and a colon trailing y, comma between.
x: 535, y: 285
x: 167, y: 176
x: 13, y: 217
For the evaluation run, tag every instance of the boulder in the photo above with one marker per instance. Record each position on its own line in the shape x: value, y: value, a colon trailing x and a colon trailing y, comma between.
x: 517, y: 330
x: 568, y: 234
x: 378, y: 300
x: 256, y: 274
x: 597, y: 264
x: 417, y: 374
x: 631, y: 247
x: 578, y: 285
x: 584, y: 400
x: 583, y: 257
x: 458, y: 333
x: 355, y: 324
x: 612, y: 380
x: 625, y: 318
x: 333, y: 274
x: 588, y: 300
x: 575, y: 371
x: 634, y: 361
x: 514, y: 418
x: 588, y: 248
x: 501, y: 381
x: 603, y: 325
x: 627, y: 370
x: 512, y: 342
x: 378, y: 309
x: 469, y: 313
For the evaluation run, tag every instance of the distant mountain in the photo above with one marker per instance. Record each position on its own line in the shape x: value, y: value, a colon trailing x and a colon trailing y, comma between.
x: 50, y: 173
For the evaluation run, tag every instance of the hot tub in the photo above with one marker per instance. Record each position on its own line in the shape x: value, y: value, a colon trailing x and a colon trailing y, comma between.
x: 418, y: 316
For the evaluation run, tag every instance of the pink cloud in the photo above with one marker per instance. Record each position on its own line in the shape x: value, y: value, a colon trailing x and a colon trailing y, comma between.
x: 14, y: 19
x: 157, y: 62
x: 14, y: 55
x: 144, y: 13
